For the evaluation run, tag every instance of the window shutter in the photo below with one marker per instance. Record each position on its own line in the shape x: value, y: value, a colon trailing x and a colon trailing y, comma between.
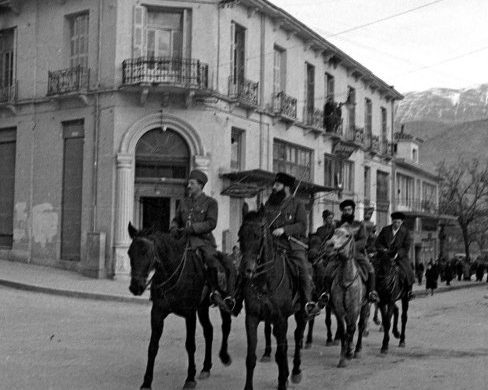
x: 138, y: 34
x: 233, y: 74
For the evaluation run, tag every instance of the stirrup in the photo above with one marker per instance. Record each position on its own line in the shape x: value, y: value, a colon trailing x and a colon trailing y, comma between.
x: 215, y: 298
x: 324, y: 299
x: 311, y: 309
x: 230, y: 303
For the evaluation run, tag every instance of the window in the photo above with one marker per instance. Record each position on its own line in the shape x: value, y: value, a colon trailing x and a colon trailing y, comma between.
x: 415, y: 155
x: 238, y: 53
x: 279, y: 70
x: 367, y: 184
x: 8, y: 139
x: 164, y: 34
x: 78, y: 32
x: 351, y: 109
x: 384, y: 128
x: 329, y: 86
x: 309, y: 92
x: 292, y: 159
x: 338, y: 172
x: 368, y: 118
x: 429, y: 197
x: 7, y: 63
x: 236, y: 148
x: 405, y: 188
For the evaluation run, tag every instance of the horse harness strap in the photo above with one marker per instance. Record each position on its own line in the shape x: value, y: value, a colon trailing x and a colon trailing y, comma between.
x: 178, y: 270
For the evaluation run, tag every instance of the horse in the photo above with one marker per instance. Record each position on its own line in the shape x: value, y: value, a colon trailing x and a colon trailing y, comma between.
x: 177, y: 286
x: 391, y: 287
x: 270, y: 294
x: 348, y: 294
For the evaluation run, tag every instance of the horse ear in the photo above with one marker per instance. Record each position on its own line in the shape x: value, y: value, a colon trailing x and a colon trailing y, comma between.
x: 132, y: 231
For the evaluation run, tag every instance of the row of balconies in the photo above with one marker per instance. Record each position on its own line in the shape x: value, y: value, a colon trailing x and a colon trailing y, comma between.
x: 416, y: 205
x: 173, y: 74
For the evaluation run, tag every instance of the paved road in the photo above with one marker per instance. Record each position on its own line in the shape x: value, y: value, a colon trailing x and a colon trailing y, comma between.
x: 50, y: 342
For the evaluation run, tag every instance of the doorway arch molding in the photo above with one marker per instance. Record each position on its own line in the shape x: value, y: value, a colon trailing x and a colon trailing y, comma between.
x: 125, y: 175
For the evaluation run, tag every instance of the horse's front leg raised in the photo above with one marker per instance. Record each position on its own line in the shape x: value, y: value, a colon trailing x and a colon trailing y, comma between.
x: 296, y: 372
x: 267, y: 340
x: 405, y: 304
x: 157, y: 324
x: 252, y: 340
x: 191, y: 322
x: 226, y: 324
x: 280, y: 329
x: 208, y: 335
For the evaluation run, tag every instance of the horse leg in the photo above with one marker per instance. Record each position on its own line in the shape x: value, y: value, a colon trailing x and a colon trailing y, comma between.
x: 404, y: 321
x: 157, y: 325
x: 386, y: 313
x: 341, y: 329
x: 395, y: 331
x: 226, y: 324
x: 296, y: 372
x: 363, y: 320
x: 376, y: 320
x: 280, y: 329
x: 308, y: 343
x: 208, y: 335
x: 267, y: 341
x: 328, y: 325
x: 351, y: 329
x: 191, y: 324
x: 252, y: 340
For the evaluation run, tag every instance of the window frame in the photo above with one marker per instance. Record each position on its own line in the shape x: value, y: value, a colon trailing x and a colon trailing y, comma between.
x: 296, y: 157
x: 337, y: 166
x: 240, y: 135
x: 75, y: 56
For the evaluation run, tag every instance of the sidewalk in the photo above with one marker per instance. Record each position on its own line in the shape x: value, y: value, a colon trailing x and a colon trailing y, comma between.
x: 56, y: 281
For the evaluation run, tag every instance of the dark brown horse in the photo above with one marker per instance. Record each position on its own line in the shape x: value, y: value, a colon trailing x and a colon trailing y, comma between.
x: 270, y: 294
x: 177, y: 286
x: 391, y: 287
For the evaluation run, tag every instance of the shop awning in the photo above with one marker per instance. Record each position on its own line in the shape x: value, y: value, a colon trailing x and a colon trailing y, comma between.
x: 247, y: 184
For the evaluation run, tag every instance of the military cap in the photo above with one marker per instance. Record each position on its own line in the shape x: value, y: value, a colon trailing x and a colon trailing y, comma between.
x: 285, y: 179
x: 398, y: 215
x: 347, y: 202
x: 368, y: 208
x: 199, y: 176
x: 326, y: 213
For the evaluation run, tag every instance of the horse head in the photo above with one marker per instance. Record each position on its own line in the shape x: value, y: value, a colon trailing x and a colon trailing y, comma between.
x: 143, y: 258
x: 341, y: 243
x: 253, y: 239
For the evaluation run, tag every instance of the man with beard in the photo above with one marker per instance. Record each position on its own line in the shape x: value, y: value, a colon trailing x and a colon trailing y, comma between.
x: 287, y: 218
x: 347, y: 208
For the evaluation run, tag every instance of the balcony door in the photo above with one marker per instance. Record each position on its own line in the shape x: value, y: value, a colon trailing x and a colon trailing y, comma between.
x: 238, y: 53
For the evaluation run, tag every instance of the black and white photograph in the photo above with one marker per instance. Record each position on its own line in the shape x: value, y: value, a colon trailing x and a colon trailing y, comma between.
x: 244, y: 194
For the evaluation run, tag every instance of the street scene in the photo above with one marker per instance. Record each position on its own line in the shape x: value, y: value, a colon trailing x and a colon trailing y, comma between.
x: 73, y: 343
x: 249, y: 194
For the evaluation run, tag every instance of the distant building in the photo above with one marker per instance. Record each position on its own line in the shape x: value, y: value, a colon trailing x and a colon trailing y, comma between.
x: 416, y: 194
x: 106, y: 105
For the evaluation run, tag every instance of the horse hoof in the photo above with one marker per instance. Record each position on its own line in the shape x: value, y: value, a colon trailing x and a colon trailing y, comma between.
x: 357, y: 355
x: 225, y: 359
x: 349, y: 355
x: 396, y: 334
x: 384, y: 351
x: 336, y: 342
x: 377, y: 321
x: 296, y: 378
x: 190, y: 385
x: 145, y: 388
x: 402, y: 344
x: 265, y: 359
x: 204, y: 375
x: 342, y: 364
x: 308, y: 345
x: 329, y: 343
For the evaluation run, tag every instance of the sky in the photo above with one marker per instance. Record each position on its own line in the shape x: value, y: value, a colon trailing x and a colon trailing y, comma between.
x: 411, y: 44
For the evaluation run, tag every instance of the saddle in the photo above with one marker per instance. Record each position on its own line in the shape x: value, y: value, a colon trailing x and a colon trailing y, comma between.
x: 225, y: 271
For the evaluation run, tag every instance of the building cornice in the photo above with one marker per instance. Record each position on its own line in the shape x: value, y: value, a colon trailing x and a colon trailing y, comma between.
x: 416, y: 168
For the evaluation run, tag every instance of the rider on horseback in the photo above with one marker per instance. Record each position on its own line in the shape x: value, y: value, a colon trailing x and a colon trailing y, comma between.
x: 348, y: 207
x: 394, y: 242
x: 196, y: 216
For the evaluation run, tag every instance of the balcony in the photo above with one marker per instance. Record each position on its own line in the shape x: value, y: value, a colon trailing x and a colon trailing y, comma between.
x: 244, y: 92
x: 375, y: 144
x: 8, y: 94
x: 359, y: 136
x: 285, y: 107
x: 417, y: 207
x: 68, y: 81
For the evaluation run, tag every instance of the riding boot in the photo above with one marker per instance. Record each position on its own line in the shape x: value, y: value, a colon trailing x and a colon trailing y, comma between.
x: 370, y: 288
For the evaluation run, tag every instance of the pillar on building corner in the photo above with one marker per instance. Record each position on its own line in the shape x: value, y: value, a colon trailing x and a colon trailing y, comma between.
x: 124, y: 212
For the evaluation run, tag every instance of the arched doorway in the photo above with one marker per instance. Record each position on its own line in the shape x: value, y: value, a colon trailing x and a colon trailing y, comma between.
x: 162, y: 163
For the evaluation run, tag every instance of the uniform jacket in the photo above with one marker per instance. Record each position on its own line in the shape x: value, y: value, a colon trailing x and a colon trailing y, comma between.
x: 201, y: 213
x: 400, y: 244
x: 359, y: 232
x: 293, y: 218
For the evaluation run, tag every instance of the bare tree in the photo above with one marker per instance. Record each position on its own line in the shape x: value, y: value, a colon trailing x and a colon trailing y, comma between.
x: 464, y: 193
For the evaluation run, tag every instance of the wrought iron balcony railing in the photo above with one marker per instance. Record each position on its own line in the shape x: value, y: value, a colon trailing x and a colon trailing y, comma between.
x: 284, y: 105
x: 417, y: 205
x: 8, y: 94
x: 359, y: 135
x: 178, y: 72
x: 68, y: 80
x: 375, y: 143
x: 243, y: 90
x: 313, y: 118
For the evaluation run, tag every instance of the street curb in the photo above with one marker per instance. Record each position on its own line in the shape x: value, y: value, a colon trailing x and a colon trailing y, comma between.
x: 73, y: 294
x: 425, y: 293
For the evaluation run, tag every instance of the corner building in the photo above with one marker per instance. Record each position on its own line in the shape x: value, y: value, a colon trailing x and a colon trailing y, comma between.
x: 106, y: 106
